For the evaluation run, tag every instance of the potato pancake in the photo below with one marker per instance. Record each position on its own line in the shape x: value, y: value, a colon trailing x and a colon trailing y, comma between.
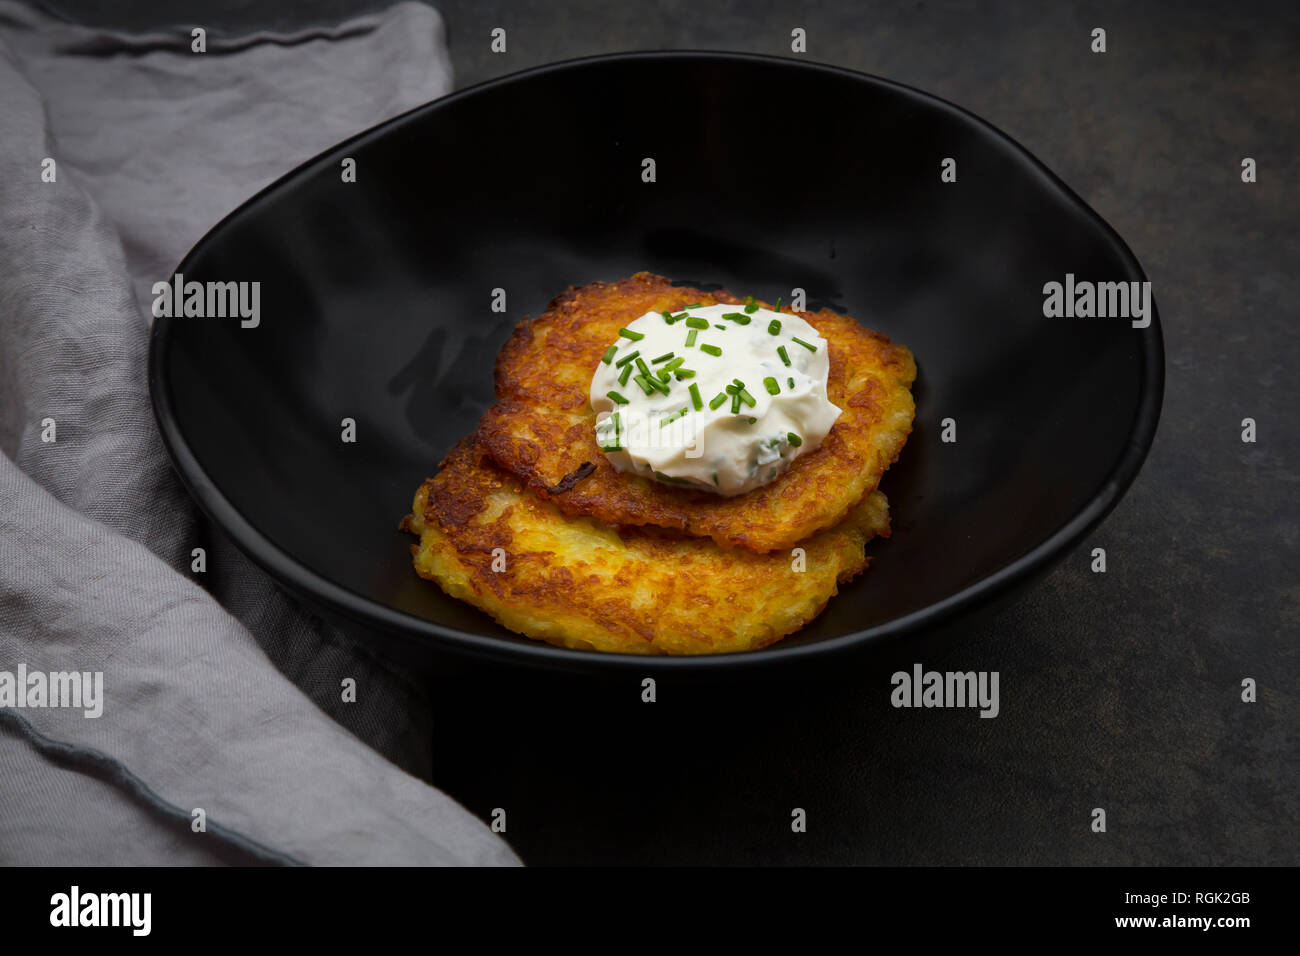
x: 577, y: 583
x: 542, y: 427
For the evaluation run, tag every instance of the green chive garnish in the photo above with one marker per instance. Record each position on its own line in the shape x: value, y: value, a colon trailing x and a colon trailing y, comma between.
x: 711, y: 349
x: 624, y: 375
x: 674, y: 416
x: 810, y: 348
x: 690, y: 337
x: 695, y: 322
x: 753, y: 306
x: 772, y: 387
x: 670, y: 479
x: 791, y: 381
x: 668, y: 317
x: 629, y: 334
x: 682, y: 373
x: 778, y: 304
x: 740, y: 318
x: 745, y: 397
x: 693, y: 305
x: 794, y: 439
x: 735, y: 403
x: 660, y: 386
x: 780, y: 350
x: 642, y: 367
x: 732, y: 388
x: 616, y: 398
x: 675, y: 363
x: 609, y: 354
x: 696, y: 402
x: 663, y: 358
x: 723, y: 327
x: 717, y: 400
x: 752, y: 420
x: 644, y: 383
x: 629, y: 357
x: 774, y: 327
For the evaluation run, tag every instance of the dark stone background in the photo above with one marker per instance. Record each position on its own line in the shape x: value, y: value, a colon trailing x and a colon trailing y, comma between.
x: 1119, y: 690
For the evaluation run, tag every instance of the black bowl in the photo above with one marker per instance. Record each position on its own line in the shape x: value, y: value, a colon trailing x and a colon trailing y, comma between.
x: 770, y: 174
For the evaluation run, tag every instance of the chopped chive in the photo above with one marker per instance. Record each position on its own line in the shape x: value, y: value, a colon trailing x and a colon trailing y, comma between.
x: 745, y: 397
x: 810, y: 348
x: 740, y: 318
x: 663, y: 358
x: 664, y: 375
x: 735, y: 403
x: 752, y: 420
x: 616, y: 398
x: 644, y: 383
x: 679, y: 316
x: 625, y: 374
x: 780, y: 350
x: 791, y: 381
x: 643, y: 368
x: 629, y: 357
x: 794, y: 439
x: 674, y: 416
x: 695, y: 322
x: 693, y: 305
x: 609, y: 354
x: 670, y: 479
x: 711, y: 349
x: 737, y: 382
x: 629, y: 334
x: 696, y: 402
x: 732, y: 388
x: 668, y: 317
x: 752, y: 306
x: 771, y: 385
x: 660, y: 386
x: 717, y: 400
x: 675, y: 364
x: 774, y: 327
x: 723, y: 327
x: 778, y: 304
x: 616, y: 446
x: 690, y: 337
x: 682, y: 373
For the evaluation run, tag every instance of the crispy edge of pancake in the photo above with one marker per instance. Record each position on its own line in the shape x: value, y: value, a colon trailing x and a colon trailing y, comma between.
x: 577, y: 583
x: 542, y: 426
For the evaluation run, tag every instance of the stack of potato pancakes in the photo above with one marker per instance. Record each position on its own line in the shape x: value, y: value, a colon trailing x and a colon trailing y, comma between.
x: 528, y: 521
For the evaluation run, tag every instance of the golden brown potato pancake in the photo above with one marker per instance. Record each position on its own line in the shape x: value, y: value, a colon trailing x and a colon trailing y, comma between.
x: 578, y: 583
x: 542, y: 427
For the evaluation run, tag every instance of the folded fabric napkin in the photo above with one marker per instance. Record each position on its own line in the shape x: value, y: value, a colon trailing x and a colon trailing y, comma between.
x: 117, y: 153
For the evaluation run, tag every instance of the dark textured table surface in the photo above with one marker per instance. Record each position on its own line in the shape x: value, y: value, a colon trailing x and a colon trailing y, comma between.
x: 1120, y: 690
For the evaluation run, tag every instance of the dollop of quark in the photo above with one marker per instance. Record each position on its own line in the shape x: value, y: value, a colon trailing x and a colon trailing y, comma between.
x: 721, y: 398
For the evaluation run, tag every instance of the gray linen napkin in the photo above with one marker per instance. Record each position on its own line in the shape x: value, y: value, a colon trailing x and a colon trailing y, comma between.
x: 153, y: 143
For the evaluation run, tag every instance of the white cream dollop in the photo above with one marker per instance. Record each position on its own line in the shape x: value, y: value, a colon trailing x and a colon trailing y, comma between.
x: 691, y: 437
